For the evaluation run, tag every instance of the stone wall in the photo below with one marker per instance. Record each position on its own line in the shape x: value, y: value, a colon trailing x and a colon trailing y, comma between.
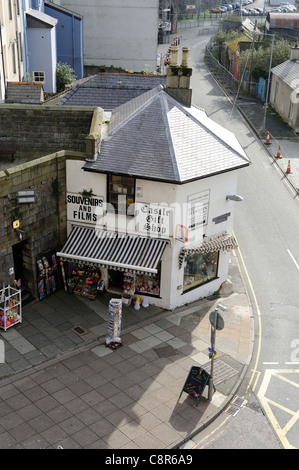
x: 43, y: 224
x: 47, y: 129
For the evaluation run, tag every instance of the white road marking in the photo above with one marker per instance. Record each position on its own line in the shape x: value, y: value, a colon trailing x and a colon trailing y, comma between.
x: 296, y: 264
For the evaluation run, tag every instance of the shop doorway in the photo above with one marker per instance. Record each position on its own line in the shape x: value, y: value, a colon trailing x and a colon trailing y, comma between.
x: 17, y: 251
x: 115, y: 281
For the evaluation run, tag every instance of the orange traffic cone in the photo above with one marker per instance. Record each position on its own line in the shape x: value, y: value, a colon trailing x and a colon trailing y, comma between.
x: 278, y: 155
x: 268, y: 139
x: 289, y: 168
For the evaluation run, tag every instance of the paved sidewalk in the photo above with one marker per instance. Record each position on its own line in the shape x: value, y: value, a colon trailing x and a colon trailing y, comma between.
x: 93, y: 397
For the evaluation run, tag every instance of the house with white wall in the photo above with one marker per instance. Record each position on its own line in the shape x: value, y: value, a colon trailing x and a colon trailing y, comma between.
x: 157, y: 199
x: 121, y: 33
x: 284, y: 95
x: 11, y: 44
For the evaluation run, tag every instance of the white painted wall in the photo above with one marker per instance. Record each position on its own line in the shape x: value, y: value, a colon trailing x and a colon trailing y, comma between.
x: 122, y: 33
x: 174, y: 196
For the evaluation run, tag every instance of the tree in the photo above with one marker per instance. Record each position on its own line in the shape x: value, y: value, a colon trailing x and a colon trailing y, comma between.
x: 65, y: 75
x: 259, y: 59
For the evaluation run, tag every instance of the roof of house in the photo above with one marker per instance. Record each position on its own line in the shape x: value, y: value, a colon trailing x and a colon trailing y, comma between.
x: 288, y: 71
x: 110, y: 90
x: 41, y: 17
x: 24, y: 92
x: 154, y: 137
x: 283, y: 20
x: 234, y: 43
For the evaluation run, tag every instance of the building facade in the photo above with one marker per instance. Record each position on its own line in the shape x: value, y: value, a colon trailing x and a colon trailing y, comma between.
x: 11, y: 44
x: 284, y: 94
x: 155, y: 204
x: 121, y: 33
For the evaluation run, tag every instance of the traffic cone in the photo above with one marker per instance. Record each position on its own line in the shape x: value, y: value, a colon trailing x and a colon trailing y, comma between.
x: 268, y: 139
x: 289, y: 168
x: 278, y: 155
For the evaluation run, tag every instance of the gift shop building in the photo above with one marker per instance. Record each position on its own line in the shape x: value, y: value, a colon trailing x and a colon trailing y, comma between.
x: 152, y: 212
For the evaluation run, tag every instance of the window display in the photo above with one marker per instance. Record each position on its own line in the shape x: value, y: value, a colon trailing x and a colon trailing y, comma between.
x: 199, y: 268
x: 85, y: 281
x: 149, y: 285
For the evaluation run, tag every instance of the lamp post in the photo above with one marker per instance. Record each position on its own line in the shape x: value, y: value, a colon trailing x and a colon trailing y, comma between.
x: 217, y: 323
x: 268, y: 84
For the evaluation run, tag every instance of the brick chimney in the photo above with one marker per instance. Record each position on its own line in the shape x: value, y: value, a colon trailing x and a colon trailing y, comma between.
x: 178, y: 77
x: 295, y: 53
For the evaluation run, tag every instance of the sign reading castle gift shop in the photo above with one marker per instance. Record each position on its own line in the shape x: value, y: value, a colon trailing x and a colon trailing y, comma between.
x: 84, y: 209
x: 154, y: 220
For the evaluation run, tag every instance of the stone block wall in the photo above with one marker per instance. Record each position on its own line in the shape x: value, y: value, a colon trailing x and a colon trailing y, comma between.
x: 43, y: 225
x: 47, y: 128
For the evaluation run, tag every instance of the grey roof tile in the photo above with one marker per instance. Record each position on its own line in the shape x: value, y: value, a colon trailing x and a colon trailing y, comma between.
x: 155, y: 137
x: 109, y: 91
x: 288, y: 71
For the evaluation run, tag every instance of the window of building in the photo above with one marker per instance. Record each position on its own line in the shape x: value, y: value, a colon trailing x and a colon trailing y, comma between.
x: 39, y: 76
x: 14, y: 69
x: 121, y: 193
x: 9, y: 10
x: 199, y: 268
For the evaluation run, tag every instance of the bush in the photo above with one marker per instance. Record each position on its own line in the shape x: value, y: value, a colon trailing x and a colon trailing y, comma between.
x: 65, y: 75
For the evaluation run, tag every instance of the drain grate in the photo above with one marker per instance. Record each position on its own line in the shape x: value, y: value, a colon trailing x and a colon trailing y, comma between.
x: 79, y: 330
x: 235, y: 406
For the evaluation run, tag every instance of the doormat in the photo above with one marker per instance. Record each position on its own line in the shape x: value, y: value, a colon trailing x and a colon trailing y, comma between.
x: 166, y: 351
x: 79, y: 330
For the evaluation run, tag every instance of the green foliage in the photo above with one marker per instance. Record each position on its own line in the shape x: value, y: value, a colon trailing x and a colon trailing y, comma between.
x: 65, y: 75
x: 224, y: 36
x: 259, y: 59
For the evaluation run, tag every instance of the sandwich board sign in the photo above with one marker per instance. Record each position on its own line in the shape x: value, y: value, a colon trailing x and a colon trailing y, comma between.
x: 195, y: 383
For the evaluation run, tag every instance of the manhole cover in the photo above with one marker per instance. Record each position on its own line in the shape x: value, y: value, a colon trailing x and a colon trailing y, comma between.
x: 166, y: 351
x: 79, y: 330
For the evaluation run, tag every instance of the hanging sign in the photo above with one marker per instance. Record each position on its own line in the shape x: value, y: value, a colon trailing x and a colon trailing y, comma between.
x: 84, y: 209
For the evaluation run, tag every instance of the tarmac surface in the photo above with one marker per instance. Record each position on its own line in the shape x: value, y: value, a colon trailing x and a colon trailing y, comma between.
x: 62, y: 387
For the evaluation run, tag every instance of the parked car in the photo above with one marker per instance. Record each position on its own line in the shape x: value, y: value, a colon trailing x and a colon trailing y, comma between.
x: 222, y: 8
x: 228, y: 6
x: 275, y: 10
x: 244, y: 12
x: 288, y: 5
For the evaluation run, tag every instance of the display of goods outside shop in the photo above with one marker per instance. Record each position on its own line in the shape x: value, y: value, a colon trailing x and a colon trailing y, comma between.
x: 10, y: 307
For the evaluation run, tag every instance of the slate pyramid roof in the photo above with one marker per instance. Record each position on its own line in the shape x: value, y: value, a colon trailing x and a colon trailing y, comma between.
x: 154, y: 137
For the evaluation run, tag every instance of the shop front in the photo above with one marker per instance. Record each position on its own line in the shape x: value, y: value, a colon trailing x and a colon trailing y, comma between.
x: 94, y: 260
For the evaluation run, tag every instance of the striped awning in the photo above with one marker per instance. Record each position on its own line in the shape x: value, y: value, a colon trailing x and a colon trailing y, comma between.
x: 113, y: 250
x: 223, y: 241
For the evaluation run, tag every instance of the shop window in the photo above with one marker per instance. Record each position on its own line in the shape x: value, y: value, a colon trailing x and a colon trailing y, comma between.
x: 199, y: 268
x: 121, y: 193
x: 148, y: 285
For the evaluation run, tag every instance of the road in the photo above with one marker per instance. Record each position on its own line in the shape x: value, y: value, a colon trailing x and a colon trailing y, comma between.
x: 267, y: 230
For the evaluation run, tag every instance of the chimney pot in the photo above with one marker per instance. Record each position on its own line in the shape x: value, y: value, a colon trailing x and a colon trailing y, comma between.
x: 295, y: 53
x: 185, y: 54
x: 174, y: 55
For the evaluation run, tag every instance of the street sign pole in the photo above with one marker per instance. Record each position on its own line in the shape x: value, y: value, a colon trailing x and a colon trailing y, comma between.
x: 213, y: 340
x: 217, y: 323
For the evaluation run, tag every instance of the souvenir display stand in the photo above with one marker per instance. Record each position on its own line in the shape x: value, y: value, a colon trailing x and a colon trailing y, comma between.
x: 10, y: 307
x: 129, y: 281
x: 85, y: 281
x: 113, y: 339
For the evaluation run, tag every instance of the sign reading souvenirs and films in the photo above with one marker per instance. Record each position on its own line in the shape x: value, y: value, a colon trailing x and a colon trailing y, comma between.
x: 154, y: 220
x: 197, y: 210
x: 84, y: 209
